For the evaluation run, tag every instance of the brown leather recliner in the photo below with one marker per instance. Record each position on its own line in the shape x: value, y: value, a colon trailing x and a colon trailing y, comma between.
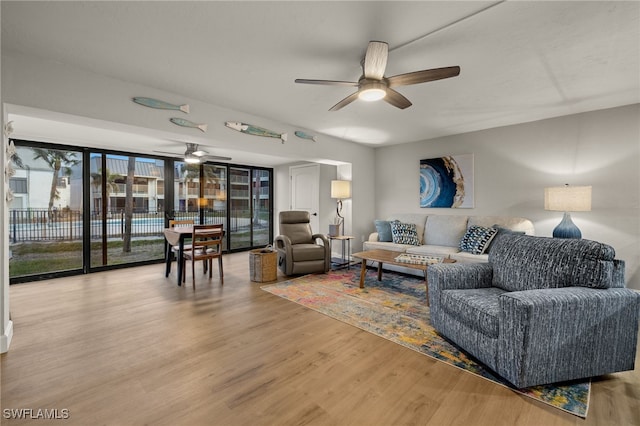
x: 298, y: 249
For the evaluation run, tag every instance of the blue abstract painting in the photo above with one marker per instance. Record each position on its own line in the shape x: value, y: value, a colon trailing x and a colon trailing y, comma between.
x: 447, y: 182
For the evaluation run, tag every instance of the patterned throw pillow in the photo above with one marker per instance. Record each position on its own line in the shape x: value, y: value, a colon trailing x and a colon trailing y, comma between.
x: 477, y: 239
x: 383, y: 228
x: 404, y: 233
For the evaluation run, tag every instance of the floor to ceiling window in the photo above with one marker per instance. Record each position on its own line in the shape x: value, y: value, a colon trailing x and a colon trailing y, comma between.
x: 127, y: 209
x: 250, y: 207
x: 45, y: 214
x: 81, y: 210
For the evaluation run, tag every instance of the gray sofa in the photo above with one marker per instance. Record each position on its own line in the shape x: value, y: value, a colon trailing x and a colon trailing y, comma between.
x: 440, y: 235
x: 543, y: 310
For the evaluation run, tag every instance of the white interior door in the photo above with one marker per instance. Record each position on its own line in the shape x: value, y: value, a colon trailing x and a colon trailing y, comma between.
x: 305, y: 194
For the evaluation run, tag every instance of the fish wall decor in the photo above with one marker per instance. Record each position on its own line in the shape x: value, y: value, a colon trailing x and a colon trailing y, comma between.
x: 186, y: 123
x: 154, y: 103
x: 303, y: 135
x: 255, y: 130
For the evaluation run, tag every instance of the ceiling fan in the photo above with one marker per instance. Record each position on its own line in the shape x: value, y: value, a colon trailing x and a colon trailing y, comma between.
x: 194, y: 155
x: 373, y: 85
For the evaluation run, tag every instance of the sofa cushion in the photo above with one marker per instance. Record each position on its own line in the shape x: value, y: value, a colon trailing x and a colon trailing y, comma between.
x: 477, y: 239
x: 372, y: 245
x: 418, y: 218
x: 429, y: 250
x: 444, y: 230
x: 465, y: 257
x: 383, y: 228
x: 509, y: 222
x: 404, y: 233
x: 522, y: 262
x: 477, y: 308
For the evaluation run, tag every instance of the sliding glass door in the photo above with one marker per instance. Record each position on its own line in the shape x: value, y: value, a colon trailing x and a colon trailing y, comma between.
x: 45, y: 212
x: 127, y: 209
x: 250, y: 207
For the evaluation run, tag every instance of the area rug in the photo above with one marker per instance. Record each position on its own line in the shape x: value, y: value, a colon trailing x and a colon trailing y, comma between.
x: 395, y: 309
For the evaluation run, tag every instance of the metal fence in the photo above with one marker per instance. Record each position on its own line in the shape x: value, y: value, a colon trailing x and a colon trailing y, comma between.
x: 59, y: 225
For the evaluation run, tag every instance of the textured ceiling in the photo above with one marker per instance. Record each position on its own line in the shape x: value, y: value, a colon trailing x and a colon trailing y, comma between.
x: 520, y: 61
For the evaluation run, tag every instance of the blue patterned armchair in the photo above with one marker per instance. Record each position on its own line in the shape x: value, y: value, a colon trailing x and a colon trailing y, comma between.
x: 543, y: 310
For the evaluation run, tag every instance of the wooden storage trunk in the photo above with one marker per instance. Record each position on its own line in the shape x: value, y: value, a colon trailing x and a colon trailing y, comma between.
x: 263, y: 265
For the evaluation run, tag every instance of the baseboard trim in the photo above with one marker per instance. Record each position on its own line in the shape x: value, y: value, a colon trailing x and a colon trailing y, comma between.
x: 5, y: 339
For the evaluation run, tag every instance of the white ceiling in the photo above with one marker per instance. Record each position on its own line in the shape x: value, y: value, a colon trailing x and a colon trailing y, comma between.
x: 520, y: 60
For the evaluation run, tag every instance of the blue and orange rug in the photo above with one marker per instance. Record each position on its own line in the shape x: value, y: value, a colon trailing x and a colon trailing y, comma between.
x: 395, y: 309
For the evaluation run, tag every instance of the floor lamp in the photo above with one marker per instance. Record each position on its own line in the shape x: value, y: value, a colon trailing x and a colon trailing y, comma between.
x: 567, y: 199
x: 340, y: 189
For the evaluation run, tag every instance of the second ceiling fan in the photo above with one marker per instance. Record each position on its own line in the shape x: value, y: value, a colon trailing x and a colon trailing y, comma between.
x: 373, y: 85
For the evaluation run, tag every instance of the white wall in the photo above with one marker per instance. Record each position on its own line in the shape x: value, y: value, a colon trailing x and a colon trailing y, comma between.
x: 514, y: 164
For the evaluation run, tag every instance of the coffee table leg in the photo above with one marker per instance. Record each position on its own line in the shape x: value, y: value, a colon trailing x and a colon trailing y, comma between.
x: 379, y: 271
x: 363, y: 273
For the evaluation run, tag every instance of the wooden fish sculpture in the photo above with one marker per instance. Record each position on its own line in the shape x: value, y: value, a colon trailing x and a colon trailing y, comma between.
x: 255, y: 130
x: 186, y: 123
x: 303, y: 135
x: 154, y: 103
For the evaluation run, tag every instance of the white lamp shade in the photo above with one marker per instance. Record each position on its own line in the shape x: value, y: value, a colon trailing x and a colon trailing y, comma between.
x: 568, y: 198
x: 340, y: 189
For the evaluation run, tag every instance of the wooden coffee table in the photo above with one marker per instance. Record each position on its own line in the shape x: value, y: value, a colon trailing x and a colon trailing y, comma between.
x: 387, y: 256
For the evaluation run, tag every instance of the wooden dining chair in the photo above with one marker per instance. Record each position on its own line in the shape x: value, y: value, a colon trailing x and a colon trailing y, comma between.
x: 206, y: 243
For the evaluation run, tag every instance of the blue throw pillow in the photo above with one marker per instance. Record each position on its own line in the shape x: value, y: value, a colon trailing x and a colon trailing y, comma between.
x: 477, y: 238
x: 404, y: 233
x: 383, y: 228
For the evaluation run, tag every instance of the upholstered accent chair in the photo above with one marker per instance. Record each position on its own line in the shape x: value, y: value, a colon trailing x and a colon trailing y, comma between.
x: 299, y: 250
x: 543, y: 310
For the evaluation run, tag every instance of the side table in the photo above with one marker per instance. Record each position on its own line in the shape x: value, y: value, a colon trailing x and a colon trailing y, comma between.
x: 346, y: 254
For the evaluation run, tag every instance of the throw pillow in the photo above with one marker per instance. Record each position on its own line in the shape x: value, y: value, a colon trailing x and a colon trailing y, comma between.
x: 501, y: 231
x: 477, y: 239
x: 383, y: 228
x: 404, y: 233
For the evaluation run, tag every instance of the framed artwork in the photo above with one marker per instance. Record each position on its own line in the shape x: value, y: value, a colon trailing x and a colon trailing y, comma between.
x: 447, y: 182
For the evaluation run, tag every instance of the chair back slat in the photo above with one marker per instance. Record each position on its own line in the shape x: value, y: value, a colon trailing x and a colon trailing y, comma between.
x: 178, y: 223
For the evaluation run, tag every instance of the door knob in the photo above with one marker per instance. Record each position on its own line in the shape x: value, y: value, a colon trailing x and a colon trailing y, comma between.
x: 315, y: 214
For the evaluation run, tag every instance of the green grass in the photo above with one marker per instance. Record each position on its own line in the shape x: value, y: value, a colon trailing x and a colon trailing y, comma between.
x: 47, y: 257
x: 42, y: 258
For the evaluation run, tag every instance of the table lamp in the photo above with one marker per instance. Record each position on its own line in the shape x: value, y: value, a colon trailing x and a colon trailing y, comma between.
x: 340, y: 189
x: 567, y: 199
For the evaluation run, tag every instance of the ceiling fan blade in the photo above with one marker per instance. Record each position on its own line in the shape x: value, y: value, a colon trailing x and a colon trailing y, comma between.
x: 328, y: 82
x: 218, y: 157
x: 346, y: 101
x: 175, y: 154
x: 375, y: 60
x: 396, y: 99
x: 422, y: 76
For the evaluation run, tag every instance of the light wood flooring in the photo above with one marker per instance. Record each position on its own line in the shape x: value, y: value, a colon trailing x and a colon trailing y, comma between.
x: 129, y: 347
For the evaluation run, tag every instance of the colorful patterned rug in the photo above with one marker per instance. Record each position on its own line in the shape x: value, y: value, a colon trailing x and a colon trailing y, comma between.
x: 395, y: 309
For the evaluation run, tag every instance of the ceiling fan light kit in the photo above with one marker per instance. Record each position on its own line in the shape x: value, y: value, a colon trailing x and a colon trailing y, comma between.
x: 372, y: 92
x: 191, y: 159
x: 374, y: 86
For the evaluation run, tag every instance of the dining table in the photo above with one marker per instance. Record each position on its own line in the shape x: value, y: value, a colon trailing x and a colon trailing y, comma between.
x: 176, y: 236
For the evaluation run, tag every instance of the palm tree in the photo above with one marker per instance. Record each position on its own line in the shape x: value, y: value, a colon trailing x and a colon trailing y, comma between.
x: 128, y: 205
x: 57, y: 161
x: 111, y: 185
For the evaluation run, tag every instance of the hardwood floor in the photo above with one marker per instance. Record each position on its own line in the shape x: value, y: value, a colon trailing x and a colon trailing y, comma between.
x: 129, y: 347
